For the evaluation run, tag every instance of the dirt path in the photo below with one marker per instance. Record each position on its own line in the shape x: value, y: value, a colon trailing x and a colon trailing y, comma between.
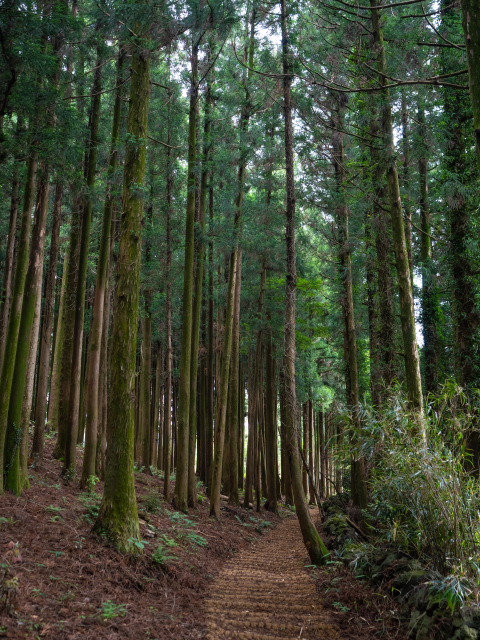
x: 265, y: 593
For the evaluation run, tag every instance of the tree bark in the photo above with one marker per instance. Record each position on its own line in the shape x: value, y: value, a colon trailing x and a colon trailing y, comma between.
x: 16, y: 304
x: 28, y: 392
x: 167, y: 447
x: 360, y: 497
x: 145, y: 373
x: 181, y: 483
x: 54, y: 395
x: 270, y: 427
x: 430, y: 303
x: 158, y: 412
x: 9, y: 256
x: 118, y: 516
x: 46, y: 337
x: 197, y: 302
x: 94, y: 387
x: 471, y: 30
x: 407, y: 313
x: 12, y: 479
x: 69, y: 465
x: 316, y: 549
x: 222, y: 400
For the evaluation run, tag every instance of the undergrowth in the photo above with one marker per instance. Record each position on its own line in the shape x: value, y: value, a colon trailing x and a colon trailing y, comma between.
x: 424, y: 495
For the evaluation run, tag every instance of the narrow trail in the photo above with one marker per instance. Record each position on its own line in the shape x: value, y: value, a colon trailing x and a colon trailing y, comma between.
x: 264, y: 593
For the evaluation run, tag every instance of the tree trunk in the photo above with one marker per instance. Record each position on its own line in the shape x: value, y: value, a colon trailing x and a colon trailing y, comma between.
x: 407, y: 314
x: 12, y: 479
x: 54, y: 395
x: 430, y: 303
x: 310, y: 450
x: 46, y: 337
x: 158, y: 413
x: 210, y: 359
x: 28, y: 392
x: 232, y: 468
x: 94, y: 387
x: 222, y: 400
x: 16, y: 304
x: 406, y: 185
x: 181, y: 483
x: 69, y: 464
x: 316, y: 549
x: 118, y: 517
x: 145, y: 373
x: 304, y: 445
x: 270, y: 428
x: 386, y: 320
x: 197, y: 302
x: 167, y: 447
x: 360, y: 499
x: 471, y: 30
x: 9, y: 255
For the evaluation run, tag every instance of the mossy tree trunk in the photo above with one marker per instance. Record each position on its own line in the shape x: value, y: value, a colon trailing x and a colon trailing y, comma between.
x: 13, y: 480
x: 16, y: 306
x: 8, y: 273
x: 118, y: 516
x: 316, y: 549
x: 28, y: 391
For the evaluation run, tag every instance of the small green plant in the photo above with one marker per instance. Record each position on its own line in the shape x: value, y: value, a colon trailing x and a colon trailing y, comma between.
x: 111, y: 610
x: 138, y: 469
x: 152, y: 503
x: 9, y: 581
x: 341, y: 607
x: 140, y: 544
x: 160, y: 556
x: 52, y: 509
x: 169, y: 542
x: 92, y: 481
x: 453, y: 590
x: 194, y: 538
x: 8, y: 521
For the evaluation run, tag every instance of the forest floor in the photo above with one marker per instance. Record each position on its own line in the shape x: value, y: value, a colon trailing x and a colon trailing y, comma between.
x: 72, y: 585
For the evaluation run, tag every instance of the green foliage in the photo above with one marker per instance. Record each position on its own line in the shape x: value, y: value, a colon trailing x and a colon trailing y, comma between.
x: 111, y: 610
x: 423, y: 498
x: 92, y: 481
x: 193, y: 538
x: 152, y: 502
x: 169, y: 542
x: 139, y: 544
x: 160, y: 556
